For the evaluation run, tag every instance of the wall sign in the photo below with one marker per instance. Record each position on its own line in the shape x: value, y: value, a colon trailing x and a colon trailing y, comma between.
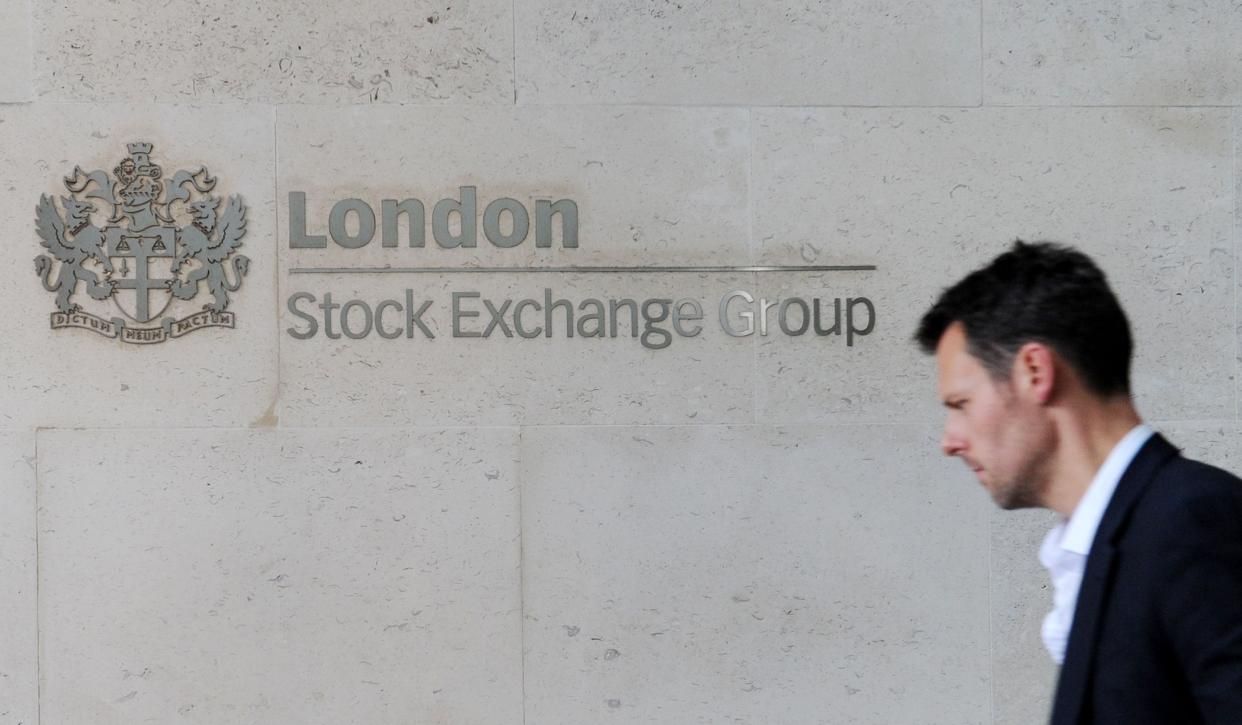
x: 140, y: 260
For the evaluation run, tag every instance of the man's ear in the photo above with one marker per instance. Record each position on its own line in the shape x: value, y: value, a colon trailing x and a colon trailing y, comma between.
x: 1034, y: 372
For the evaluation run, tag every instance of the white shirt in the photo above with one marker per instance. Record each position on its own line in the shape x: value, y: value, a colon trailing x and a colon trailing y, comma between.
x: 1065, y: 548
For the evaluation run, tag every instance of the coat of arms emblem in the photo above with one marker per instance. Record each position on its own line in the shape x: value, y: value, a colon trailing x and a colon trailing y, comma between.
x: 141, y: 259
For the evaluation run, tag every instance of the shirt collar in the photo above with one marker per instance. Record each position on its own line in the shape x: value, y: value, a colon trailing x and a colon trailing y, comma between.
x: 1083, y: 523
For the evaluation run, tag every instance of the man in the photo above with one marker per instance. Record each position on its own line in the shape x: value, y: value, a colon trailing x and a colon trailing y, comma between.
x: 1033, y: 352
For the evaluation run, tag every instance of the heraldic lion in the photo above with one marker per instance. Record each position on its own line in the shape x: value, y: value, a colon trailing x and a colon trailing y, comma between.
x: 54, y: 235
x: 197, y: 245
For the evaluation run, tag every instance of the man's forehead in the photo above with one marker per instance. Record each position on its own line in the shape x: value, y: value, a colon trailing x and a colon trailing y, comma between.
x: 951, y: 350
x: 956, y: 366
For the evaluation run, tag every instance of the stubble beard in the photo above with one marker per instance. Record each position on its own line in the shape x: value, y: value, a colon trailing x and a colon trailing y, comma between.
x: 1021, y: 493
x: 1025, y: 489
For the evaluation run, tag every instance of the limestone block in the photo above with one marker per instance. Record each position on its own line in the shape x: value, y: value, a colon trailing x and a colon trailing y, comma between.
x: 357, y: 52
x: 19, y: 639
x: 280, y: 576
x: 522, y: 372
x: 652, y: 187
x: 1023, y: 673
x: 752, y: 574
x: 751, y: 53
x: 15, y: 52
x: 76, y: 377
x: 1218, y: 443
x: 927, y: 195
x: 1106, y: 53
x: 1237, y: 165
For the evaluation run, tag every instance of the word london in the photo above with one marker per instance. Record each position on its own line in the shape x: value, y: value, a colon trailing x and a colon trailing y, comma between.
x: 506, y: 222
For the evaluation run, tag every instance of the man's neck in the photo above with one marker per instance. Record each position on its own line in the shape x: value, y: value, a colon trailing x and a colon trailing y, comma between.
x: 1085, y: 437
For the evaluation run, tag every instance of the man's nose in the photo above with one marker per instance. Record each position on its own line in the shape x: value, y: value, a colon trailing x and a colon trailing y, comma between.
x: 950, y: 442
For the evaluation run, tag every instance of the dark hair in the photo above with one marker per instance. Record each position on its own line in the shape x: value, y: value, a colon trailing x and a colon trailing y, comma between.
x: 1038, y: 292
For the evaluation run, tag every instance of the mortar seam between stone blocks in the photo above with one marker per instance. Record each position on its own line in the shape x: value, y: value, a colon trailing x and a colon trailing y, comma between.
x: 481, y: 107
x: 30, y: 33
x: 275, y: 407
x: 831, y: 424
x: 1233, y: 182
x: 38, y: 588
x: 750, y: 243
x: 981, y: 83
x: 991, y: 623
x: 513, y: 39
x: 522, y: 565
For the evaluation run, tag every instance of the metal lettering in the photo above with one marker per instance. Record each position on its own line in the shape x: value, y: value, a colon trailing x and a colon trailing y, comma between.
x: 616, y: 305
x: 311, y: 321
x: 415, y: 318
x: 379, y: 319
x: 459, y: 313
x: 498, y: 318
x: 517, y: 318
x: 366, y: 310
x: 836, y: 322
x: 597, y: 317
x: 466, y: 209
x: 391, y: 210
x: 695, y: 314
x: 366, y: 223
x: 850, y: 329
x: 568, y: 211
x: 328, y: 306
x: 782, y: 317
x: 549, y: 307
x: 747, y: 315
x: 518, y: 216
x: 649, y: 328
x: 298, y: 238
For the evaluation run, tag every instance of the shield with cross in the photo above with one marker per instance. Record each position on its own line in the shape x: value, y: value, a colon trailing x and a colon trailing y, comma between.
x: 142, y: 269
x: 141, y: 259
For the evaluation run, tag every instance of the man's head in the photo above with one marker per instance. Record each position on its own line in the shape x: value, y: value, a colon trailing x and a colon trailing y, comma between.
x: 1010, y: 340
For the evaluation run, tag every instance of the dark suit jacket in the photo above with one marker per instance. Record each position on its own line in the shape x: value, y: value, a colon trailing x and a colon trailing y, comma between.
x: 1157, y: 632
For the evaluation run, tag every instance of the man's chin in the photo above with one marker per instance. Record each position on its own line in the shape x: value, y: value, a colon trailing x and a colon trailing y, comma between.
x: 1016, y: 505
x: 1013, y: 500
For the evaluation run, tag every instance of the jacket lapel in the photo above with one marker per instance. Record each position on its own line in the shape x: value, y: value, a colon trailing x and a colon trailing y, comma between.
x: 1084, y: 634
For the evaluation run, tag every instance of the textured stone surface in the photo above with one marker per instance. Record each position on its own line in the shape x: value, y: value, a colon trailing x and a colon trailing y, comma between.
x: 752, y: 53
x: 1023, y: 674
x: 504, y: 380
x: 19, y: 663
x: 288, y: 51
x: 74, y: 377
x: 745, y: 574
x: 653, y: 187
x: 732, y: 538
x: 15, y: 53
x: 292, y: 576
x: 1099, y: 52
x: 1216, y: 442
x: 926, y: 195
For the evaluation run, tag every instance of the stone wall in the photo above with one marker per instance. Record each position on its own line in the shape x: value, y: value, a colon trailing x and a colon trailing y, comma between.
x: 241, y: 526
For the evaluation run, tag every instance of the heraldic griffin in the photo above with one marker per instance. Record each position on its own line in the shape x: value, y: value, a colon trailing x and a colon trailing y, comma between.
x: 72, y: 241
x: 197, y: 244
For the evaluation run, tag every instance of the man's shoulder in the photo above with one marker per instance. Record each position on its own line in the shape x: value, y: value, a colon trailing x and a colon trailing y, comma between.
x: 1186, y: 496
x: 1185, y: 479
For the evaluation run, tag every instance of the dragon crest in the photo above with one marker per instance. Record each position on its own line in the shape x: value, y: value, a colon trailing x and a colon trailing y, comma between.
x: 200, y: 243
x: 141, y: 258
